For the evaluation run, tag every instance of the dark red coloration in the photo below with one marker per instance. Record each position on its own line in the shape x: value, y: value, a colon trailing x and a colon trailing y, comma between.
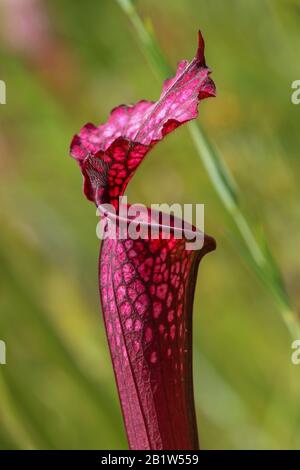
x: 147, y: 285
x: 147, y: 290
x: 109, y: 154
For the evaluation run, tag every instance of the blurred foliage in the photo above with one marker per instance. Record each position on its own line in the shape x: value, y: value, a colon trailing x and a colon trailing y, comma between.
x: 57, y: 390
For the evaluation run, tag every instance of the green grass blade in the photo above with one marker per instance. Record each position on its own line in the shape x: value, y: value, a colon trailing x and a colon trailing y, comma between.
x: 261, y: 258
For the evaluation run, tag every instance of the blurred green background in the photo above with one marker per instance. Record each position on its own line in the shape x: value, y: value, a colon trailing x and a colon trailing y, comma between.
x: 66, y: 63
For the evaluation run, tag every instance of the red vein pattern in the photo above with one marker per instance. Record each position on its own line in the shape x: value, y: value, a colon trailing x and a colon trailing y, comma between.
x: 109, y: 154
x: 147, y: 290
x: 147, y: 285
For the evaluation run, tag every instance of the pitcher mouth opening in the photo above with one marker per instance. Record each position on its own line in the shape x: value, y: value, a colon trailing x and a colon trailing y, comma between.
x: 140, y: 222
